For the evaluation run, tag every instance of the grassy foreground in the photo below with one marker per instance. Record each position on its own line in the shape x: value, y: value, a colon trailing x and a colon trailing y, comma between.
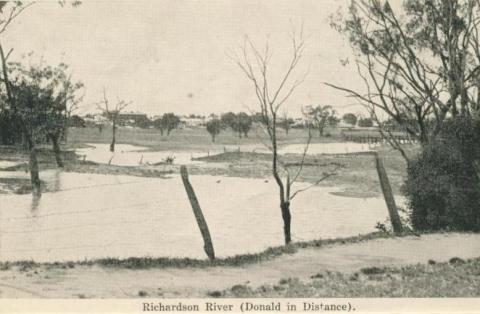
x: 456, y: 278
x: 164, y: 262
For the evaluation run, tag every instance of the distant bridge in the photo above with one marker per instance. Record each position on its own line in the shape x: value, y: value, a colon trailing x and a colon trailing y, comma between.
x: 374, y: 136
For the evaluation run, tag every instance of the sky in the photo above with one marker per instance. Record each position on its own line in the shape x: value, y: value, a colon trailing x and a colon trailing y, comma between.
x: 176, y: 56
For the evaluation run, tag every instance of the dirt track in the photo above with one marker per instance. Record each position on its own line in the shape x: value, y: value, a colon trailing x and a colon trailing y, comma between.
x: 98, y: 282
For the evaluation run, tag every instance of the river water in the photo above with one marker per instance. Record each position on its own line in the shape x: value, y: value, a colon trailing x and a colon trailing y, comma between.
x: 131, y: 155
x: 91, y: 216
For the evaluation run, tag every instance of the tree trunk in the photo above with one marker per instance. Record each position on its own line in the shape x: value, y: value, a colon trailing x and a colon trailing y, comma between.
x: 33, y: 167
x: 213, y: 138
x: 65, y: 131
x: 197, y: 211
x: 287, y: 219
x: 320, y: 131
x: 56, y: 149
x: 388, y: 195
x: 114, y: 129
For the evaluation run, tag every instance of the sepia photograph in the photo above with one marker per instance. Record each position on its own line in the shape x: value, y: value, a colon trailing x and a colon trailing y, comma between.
x: 240, y: 156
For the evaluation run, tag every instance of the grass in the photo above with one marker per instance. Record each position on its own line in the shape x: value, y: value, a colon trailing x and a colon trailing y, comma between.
x: 167, y: 262
x: 357, y: 176
x: 189, y: 139
x: 452, y: 279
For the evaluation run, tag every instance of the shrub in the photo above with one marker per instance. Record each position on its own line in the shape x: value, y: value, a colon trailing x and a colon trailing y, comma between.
x: 442, y: 188
x: 365, y: 122
x: 8, y: 128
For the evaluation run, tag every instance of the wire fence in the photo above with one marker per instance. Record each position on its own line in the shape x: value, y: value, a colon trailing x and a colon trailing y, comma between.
x: 132, y: 214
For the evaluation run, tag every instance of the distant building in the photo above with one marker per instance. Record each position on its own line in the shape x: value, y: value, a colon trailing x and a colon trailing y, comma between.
x: 343, y: 125
x: 133, y: 119
x: 190, y: 122
x: 300, y: 123
x: 94, y: 119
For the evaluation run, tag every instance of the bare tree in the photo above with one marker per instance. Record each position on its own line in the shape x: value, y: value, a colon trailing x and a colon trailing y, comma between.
x: 112, y: 113
x: 256, y: 65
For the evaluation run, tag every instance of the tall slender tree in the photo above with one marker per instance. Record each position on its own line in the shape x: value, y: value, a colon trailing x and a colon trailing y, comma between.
x: 255, y: 65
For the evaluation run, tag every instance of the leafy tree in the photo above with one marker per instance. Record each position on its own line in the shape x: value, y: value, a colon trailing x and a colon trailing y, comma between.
x: 286, y: 123
x: 157, y: 124
x: 37, y: 100
x: 9, y: 122
x: 9, y: 134
x: 170, y: 122
x: 214, y: 126
x: 243, y: 124
x: 72, y: 98
x: 143, y: 122
x: 167, y: 122
x: 228, y: 119
x: 365, y: 122
x: 333, y: 121
x: 350, y: 118
x: 68, y: 102
x: 31, y: 103
x: 319, y: 116
x: 418, y: 62
x: 442, y: 190
x: 257, y: 117
x: 76, y: 121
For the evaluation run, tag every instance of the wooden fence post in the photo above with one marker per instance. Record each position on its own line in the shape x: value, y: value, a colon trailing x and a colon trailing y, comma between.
x: 388, y: 195
x: 197, y: 211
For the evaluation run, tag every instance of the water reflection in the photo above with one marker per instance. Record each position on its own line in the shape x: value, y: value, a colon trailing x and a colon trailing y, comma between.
x: 131, y: 155
x: 92, y: 216
x: 56, y: 184
x: 35, y: 203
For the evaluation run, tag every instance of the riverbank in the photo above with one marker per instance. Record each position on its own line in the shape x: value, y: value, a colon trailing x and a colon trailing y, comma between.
x: 336, y: 269
x: 356, y: 174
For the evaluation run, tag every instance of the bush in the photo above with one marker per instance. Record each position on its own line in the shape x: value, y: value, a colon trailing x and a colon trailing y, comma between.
x: 365, y: 122
x: 442, y: 188
x: 8, y: 128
